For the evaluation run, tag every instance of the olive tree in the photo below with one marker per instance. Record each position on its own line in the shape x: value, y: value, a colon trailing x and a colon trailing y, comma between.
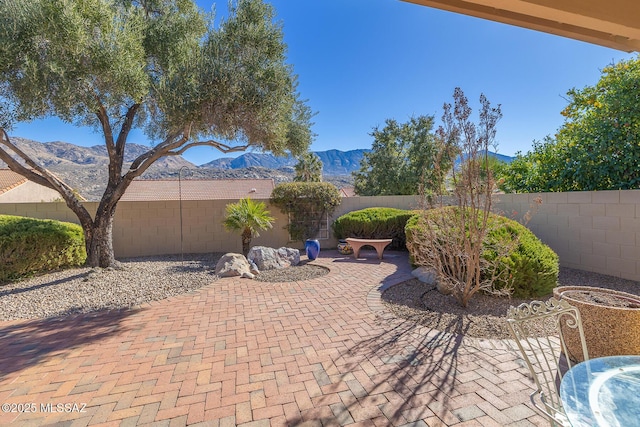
x: 162, y: 66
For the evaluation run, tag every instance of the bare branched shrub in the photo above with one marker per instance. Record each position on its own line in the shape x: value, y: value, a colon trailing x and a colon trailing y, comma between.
x: 451, y: 241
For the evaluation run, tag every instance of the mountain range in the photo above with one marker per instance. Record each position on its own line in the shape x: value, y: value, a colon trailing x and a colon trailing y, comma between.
x: 58, y: 153
x: 334, y: 162
x: 85, y: 168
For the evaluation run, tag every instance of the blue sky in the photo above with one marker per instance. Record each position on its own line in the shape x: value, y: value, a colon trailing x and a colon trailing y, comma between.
x: 360, y: 62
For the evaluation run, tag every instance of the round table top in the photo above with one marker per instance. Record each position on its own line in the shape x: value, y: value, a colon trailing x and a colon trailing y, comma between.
x: 603, y: 392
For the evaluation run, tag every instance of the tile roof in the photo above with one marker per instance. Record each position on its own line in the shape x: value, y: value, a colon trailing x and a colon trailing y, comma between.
x: 9, y: 179
x: 198, y: 189
x: 348, y: 192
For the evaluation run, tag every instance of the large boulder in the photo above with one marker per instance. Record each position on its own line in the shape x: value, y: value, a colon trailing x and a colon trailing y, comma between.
x: 266, y: 258
x: 231, y: 265
x: 425, y: 275
x: 292, y: 256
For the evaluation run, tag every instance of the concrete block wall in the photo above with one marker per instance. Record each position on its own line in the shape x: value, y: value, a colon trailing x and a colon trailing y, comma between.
x: 595, y: 231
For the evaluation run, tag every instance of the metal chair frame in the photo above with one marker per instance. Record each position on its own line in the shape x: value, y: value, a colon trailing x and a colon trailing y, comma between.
x: 545, y: 355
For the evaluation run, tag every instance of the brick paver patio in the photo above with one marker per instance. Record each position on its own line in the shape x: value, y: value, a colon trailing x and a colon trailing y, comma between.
x: 243, y: 353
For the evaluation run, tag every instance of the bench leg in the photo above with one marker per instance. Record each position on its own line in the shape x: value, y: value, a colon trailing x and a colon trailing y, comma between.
x: 356, y: 251
x: 379, y: 250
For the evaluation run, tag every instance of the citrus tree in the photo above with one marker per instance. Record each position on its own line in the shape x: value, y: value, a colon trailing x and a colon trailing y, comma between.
x: 598, y: 145
x: 162, y: 66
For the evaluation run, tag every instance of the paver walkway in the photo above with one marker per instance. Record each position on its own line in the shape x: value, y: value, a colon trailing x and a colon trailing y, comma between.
x: 238, y: 352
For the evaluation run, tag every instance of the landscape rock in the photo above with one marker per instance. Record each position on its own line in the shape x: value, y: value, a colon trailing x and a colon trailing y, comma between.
x: 428, y: 276
x: 444, y: 288
x: 231, y: 265
x: 290, y: 254
x: 253, y: 267
x: 266, y: 258
x: 425, y: 275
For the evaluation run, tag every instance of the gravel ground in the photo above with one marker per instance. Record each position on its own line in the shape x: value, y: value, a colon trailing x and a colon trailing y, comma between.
x: 302, y: 271
x: 139, y: 280
x: 485, y: 315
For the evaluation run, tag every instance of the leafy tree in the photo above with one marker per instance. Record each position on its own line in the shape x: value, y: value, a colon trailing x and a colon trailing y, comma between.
x: 541, y: 169
x: 598, y: 146
x: 402, y: 157
x: 308, y: 204
x: 159, y: 65
x: 308, y: 168
x: 249, y: 218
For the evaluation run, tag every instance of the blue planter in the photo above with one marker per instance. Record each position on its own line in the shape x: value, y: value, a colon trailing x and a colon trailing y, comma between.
x: 312, y: 247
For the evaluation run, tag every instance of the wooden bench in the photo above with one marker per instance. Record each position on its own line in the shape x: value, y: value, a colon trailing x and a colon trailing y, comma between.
x: 378, y: 244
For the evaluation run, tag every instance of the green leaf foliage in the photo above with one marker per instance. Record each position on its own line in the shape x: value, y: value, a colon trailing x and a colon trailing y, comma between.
x: 530, y: 268
x: 402, y: 158
x: 307, y: 204
x: 30, y: 246
x: 247, y: 217
x: 597, y: 147
x: 75, y: 59
x: 374, y: 223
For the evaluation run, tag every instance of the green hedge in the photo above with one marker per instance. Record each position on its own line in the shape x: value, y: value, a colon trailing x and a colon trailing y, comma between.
x: 374, y: 223
x: 533, y: 265
x: 29, y: 246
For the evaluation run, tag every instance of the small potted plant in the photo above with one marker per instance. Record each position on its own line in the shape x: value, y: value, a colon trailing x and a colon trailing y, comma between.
x: 344, y: 247
x: 610, y: 319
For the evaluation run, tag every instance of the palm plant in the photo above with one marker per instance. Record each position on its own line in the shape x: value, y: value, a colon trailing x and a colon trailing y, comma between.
x: 248, y: 217
x: 308, y: 168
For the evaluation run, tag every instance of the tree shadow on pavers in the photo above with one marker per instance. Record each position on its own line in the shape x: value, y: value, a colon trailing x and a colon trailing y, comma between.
x: 28, y: 343
x: 418, y: 363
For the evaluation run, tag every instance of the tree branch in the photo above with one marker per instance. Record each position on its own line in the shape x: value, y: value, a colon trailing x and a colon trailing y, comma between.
x: 42, y: 176
x: 103, y: 118
x: 176, y: 147
x: 126, y: 128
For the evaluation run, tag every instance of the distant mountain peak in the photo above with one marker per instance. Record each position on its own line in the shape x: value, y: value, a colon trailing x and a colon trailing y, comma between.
x: 334, y: 162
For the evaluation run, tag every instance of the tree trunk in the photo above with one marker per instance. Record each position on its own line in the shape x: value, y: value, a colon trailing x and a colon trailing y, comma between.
x: 246, y: 241
x: 99, y: 241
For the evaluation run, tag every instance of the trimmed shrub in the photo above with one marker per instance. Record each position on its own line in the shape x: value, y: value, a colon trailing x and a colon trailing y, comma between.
x: 29, y: 246
x: 374, y: 223
x: 532, y: 266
